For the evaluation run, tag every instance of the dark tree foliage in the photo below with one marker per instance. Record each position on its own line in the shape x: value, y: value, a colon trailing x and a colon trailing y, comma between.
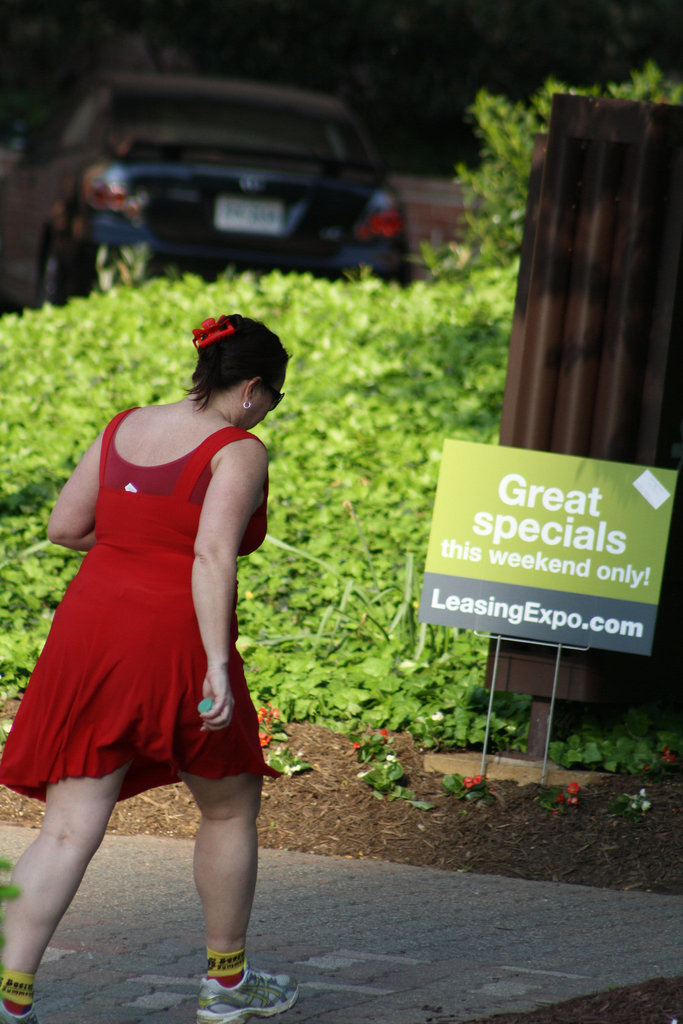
x: 410, y: 68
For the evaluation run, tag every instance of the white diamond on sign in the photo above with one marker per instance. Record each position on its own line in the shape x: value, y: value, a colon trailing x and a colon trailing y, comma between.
x: 651, y: 489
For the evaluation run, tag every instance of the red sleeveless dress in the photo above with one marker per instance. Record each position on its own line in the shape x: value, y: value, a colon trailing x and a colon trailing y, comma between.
x: 121, y: 672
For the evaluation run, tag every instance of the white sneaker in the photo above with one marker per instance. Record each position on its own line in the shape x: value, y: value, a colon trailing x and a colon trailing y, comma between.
x: 258, y: 994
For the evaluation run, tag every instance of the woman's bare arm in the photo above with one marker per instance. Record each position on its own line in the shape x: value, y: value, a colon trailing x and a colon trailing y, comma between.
x: 72, y: 523
x: 235, y: 492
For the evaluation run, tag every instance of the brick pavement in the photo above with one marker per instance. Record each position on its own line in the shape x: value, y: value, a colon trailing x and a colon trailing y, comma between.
x: 371, y: 942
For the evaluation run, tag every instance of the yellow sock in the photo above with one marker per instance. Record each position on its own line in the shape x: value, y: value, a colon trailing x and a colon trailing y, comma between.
x: 16, y: 988
x: 226, y: 968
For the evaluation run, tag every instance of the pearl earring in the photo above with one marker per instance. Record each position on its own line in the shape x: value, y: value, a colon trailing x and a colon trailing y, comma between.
x: 246, y: 405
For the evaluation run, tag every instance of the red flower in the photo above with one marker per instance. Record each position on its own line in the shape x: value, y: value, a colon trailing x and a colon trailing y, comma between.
x: 383, y: 732
x: 212, y: 331
x: 468, y: 782
x: 668, y: 756
x: 573, y: 788
x: 560, y: 798
x: 264, y: 739
x: 356, y: 745
x: 572, y: 800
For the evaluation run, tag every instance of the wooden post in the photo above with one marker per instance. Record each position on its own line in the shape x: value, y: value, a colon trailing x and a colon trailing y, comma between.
x: 538, y: 726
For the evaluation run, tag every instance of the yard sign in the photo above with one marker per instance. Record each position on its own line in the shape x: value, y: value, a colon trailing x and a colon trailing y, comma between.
x: 547, y: 547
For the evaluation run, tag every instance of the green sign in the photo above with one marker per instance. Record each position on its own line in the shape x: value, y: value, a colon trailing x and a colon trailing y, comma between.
x: 547, y: 547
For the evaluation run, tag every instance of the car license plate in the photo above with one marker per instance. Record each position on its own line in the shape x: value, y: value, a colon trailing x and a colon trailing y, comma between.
x: 249, y: 216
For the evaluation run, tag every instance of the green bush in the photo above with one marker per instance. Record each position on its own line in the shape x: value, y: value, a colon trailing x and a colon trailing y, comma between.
x: 496, y: 190
x: 379, y: 377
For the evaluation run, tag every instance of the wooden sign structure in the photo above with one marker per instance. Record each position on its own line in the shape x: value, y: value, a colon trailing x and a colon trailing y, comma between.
x: 556, y: 550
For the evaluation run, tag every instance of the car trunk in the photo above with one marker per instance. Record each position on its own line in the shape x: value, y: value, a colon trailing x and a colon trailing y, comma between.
x: 288, y: 206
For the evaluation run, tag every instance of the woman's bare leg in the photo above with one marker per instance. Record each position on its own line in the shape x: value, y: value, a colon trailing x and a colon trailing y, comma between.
x: 49, y: 872
x: 226, y: 855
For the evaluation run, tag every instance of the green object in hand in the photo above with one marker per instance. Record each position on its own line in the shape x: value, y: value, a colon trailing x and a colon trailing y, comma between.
x: 205, y: 705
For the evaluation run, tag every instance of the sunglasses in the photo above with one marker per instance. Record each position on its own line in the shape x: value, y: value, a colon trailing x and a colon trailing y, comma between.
x: 277, y: 396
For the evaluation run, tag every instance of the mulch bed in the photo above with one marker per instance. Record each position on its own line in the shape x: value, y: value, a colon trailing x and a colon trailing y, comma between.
x: 329, y: 810
x: 659, y: 1001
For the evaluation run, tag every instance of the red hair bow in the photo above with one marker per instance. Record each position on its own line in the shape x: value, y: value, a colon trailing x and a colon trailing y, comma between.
x: 212, y: 331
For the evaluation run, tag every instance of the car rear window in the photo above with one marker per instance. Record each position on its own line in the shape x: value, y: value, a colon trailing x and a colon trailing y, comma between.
x: 191, y: 122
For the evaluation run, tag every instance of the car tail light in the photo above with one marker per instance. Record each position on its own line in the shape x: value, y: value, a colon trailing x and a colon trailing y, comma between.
x: 103, y: 190
x: 382, y: 219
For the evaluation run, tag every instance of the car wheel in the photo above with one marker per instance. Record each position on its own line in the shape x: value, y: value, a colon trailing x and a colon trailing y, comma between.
x: 53, y: 281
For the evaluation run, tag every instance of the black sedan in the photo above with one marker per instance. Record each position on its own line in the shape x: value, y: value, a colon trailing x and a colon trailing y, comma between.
x: 205, y: 174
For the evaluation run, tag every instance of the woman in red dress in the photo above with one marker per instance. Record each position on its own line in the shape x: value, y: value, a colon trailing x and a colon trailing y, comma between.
x: 163, y: 502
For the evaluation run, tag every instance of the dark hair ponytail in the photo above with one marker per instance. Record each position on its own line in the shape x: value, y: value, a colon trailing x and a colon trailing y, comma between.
x: 232, y: 350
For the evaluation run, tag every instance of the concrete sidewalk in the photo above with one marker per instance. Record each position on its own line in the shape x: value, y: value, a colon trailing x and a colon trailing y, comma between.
x: 370, y: 942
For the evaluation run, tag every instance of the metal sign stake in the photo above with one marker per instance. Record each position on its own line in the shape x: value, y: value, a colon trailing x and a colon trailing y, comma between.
x: 494, y: 675
x: 550, y: 714
x: 490, y: 711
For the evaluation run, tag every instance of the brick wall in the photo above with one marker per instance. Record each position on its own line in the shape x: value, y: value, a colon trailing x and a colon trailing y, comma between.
x: 434, y: 212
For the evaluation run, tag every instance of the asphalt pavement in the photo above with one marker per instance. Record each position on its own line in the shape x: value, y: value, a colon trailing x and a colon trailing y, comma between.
x: 371, y: 942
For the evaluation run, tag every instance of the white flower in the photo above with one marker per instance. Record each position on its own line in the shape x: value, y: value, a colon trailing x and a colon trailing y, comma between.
x: 437, y: 716
x: 391, y: 757
x: 643, y: 793
x: 645, y: 805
